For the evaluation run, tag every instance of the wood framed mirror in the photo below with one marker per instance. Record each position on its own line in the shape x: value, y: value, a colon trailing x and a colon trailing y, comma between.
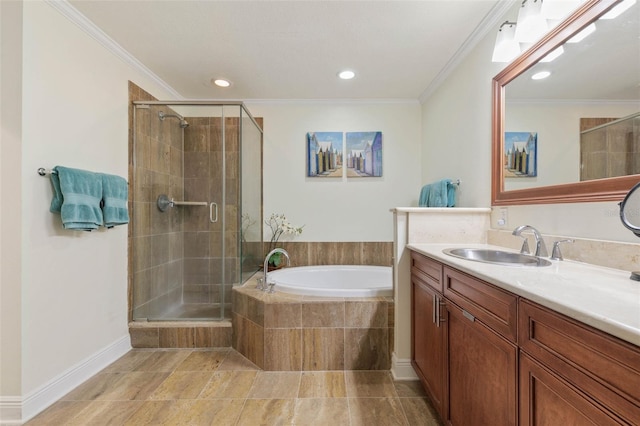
x: 578, y: 190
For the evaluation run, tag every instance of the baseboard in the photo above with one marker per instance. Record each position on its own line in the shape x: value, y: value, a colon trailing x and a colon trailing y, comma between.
x: 401, y: 369
x: 43, y: 397
x: 10, y: 410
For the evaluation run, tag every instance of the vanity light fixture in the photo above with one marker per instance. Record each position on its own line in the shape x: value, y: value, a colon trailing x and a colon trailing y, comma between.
x: 559, y: 9
x: 535, y: 18
x: 540, y: 75
x: 221, y: 82
x: 507, y: 47
x: 346, y: 74
x: 531, y: 24
x: 618, y: 10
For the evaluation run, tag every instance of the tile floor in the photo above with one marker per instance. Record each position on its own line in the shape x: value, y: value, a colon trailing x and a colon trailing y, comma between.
x: 220, y: 387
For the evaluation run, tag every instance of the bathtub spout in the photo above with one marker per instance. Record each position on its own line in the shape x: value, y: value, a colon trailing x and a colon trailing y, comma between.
x: 265, y: 283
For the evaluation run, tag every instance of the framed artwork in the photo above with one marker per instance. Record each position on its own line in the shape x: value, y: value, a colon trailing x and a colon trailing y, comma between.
x: 325, y: 152
x: 520, y: 154
x: 363, y: 154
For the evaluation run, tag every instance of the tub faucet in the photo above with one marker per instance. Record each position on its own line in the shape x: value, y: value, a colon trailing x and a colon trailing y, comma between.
x: 265, y: 284
x: 541, y: 248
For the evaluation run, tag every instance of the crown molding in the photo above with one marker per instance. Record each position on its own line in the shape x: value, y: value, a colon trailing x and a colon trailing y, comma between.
x: 71, y: 13
x: 488, y: 23
x: 346, y: 101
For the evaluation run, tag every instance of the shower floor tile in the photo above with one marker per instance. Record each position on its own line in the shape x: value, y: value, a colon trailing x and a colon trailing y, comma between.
x: 192, y: 311
x: 221, y: 387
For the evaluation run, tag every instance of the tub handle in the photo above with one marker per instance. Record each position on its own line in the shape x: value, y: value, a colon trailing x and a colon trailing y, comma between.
x: 213, y: 219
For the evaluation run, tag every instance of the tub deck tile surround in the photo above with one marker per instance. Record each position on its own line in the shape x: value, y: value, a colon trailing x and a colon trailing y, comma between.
x: 220, y: 387
x: 285, y: 332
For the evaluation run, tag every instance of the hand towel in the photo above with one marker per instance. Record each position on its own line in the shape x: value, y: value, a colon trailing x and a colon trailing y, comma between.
x: 437, y: 194
x: 451, y: 194
x: 115, y: 193
x: 77, y: 195
x: 423, y: 201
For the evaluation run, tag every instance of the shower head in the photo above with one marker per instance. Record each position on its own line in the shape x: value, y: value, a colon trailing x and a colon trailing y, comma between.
x: 183, y: 122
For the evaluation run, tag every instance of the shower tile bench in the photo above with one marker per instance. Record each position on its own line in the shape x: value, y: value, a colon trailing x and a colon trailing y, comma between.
x: 286, y: 332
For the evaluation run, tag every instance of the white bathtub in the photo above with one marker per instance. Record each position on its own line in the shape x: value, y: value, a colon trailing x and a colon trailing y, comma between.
x: 334, y: 280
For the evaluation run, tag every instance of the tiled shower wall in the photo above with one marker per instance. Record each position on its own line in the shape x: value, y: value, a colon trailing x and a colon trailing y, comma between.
x: 155, y: 239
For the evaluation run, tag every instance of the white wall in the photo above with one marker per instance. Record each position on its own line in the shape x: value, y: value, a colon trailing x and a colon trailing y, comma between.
x: 456, y: 128
x: 10, y: 190
x: 456, y: 141
x: 353, y: 209
x: 75, y: 113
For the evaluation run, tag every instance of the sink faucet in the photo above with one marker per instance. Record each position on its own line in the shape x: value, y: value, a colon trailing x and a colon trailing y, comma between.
x: 265, y: 284
x: 541, y: 248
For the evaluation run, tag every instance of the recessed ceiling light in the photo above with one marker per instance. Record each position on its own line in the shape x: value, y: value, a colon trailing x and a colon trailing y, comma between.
x: 540, y: 75
x: 346, y: 74
x: 220, y: 82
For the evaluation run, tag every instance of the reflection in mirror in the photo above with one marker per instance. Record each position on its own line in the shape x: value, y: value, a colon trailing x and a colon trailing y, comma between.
x: 610, y: 149
x: 595, y: 79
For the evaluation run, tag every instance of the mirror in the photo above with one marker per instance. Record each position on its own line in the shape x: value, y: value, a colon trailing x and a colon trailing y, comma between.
x: 630, y: 210
x: 630, y: 217
x: 524, y: 106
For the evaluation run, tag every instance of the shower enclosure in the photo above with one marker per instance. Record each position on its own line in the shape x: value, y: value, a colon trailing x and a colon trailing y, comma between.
x: 196, y: 219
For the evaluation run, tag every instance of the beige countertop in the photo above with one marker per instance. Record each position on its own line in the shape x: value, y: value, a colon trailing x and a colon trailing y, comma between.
x: 601, y: 297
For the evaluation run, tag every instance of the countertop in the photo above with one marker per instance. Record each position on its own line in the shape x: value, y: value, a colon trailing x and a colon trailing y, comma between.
x: 601, y: 297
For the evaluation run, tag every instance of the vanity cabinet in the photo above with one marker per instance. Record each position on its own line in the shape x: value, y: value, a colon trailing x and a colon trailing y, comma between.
x: 468, y: 368
x: 482, y: 356
x: 428, y: 330
x: 489, y: 357
x: 571, y: 369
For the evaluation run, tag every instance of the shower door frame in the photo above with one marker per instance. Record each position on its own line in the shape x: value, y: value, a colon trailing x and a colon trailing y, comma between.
x: 242, y: 110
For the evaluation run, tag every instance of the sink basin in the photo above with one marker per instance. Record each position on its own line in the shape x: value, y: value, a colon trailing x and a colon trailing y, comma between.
x: 497, y: 257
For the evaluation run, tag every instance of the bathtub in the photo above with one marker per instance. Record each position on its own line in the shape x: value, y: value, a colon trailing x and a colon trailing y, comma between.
x: 334, y: 280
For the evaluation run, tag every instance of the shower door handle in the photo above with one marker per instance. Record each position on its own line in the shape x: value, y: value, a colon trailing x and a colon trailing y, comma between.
x: 213, y: 212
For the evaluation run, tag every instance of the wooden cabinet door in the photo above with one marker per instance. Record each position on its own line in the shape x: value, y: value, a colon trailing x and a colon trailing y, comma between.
x: 428, y: 341
x: 547, y: 400
x: 483, y: 373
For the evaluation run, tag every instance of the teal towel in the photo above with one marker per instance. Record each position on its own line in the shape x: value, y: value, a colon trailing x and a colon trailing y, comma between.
x: 438, y: 194
x: 451, y: 194
x: 115, y: 193
x: 77, y: 195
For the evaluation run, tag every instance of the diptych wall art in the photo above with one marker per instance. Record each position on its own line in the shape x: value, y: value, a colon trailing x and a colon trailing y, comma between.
x: 364, y: 154
x: 520, y: 154
x: 338, y: 154
x: 324, y: 154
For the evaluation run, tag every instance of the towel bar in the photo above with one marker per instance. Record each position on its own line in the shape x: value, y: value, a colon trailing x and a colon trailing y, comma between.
x: 43, y: 172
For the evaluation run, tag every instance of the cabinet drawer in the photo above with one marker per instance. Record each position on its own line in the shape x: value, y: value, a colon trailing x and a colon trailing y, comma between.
x: 493, y: 306
x: 427, y: 270
x: 604, y: 367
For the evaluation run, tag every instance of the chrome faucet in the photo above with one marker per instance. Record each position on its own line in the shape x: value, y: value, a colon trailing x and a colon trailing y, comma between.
x: 264, y: 284
x: 541, y: 248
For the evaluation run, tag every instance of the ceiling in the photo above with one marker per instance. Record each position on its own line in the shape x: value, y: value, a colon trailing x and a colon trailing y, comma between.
x: 294, y: 49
